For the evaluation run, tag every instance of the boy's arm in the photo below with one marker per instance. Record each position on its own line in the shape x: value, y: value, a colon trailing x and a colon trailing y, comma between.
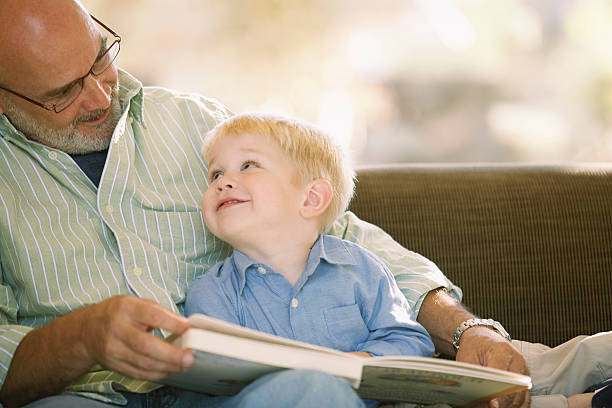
x: 415, y: 275
x: 392, y: 330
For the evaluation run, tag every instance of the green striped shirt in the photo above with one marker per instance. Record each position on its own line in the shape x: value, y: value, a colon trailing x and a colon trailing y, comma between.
x: 65, y: 244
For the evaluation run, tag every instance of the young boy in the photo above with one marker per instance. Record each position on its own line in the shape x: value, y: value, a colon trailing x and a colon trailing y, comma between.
x: 275, y: 185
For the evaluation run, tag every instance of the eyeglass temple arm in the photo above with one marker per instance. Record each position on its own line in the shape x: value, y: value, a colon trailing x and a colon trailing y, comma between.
x: 106, y: 27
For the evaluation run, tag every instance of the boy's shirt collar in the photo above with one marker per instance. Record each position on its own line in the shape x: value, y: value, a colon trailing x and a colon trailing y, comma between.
x: 328, y: 248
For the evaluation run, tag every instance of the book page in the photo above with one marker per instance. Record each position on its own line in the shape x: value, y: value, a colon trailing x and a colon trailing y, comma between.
x: 451, y: 367
x: 428, y: 387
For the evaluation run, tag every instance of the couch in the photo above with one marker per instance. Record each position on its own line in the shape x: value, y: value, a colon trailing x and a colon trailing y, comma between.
x: 530, y: 245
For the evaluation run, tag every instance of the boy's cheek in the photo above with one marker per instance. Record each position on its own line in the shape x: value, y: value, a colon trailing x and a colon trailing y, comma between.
x: 206, y: 214
x: 206, y: 209
x: 205, y: 200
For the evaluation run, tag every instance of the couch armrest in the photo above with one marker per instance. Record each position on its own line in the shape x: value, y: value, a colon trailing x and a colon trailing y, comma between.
x: 531, y: 246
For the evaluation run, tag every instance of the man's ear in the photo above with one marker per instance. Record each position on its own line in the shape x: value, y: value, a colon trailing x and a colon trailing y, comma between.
x: 318, y: 196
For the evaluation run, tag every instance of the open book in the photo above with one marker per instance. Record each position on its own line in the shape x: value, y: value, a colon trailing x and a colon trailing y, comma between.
x: 228, y: 357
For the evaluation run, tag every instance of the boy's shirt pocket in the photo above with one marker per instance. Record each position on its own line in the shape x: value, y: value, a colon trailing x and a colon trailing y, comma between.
x: 345, y: 326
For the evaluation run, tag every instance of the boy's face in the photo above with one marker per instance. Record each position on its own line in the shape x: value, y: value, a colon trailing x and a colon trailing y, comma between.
x: 252, y: 194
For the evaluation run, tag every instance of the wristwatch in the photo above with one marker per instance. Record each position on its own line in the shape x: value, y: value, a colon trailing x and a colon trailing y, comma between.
x: 495, y: 325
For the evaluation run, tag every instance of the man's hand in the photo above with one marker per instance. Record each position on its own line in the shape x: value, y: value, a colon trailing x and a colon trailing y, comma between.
x: 116, y: 335
x: 441, y: 314
x: 483, y: 346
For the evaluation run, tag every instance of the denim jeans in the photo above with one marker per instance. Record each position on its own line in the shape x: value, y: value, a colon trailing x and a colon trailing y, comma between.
x: 288, y: 388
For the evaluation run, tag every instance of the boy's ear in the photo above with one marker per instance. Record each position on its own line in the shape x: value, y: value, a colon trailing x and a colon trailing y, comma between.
x: 318, y: 196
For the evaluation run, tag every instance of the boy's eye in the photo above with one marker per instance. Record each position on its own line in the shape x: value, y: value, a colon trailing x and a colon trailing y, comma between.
x: 216, y: 175
x: 248, y: 165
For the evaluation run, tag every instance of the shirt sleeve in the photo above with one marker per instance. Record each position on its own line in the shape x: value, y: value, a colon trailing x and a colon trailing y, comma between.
x: 208, y: 295
x: 392, y: 329
x: 10, y: 334
x: 415, y: 275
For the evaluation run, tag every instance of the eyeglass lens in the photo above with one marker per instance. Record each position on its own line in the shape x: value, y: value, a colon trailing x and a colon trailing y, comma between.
x: 99, y: 66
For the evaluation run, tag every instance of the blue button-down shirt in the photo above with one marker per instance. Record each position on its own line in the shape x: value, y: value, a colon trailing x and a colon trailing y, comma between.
x: 345, y: 299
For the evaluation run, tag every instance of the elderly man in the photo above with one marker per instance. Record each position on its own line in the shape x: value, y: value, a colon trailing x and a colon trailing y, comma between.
x: 100, y: 231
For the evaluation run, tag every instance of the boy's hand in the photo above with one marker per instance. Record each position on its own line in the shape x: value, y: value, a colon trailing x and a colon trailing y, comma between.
x: 363, y: 354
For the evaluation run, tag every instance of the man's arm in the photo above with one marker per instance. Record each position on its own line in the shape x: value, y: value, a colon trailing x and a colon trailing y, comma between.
x: 113, y: 333
x: 441, y: 314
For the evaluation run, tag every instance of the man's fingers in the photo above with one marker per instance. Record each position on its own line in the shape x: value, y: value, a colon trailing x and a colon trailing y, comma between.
x: 141, y: 355
x: 486, y: 347
x: 151, y: 352
x: 501, y: 355
x: 154, y: 316
x: 145, y: 313
x: 126, y: 367
x: 518, y: 364
x: 506, y: 357
x: 118, y: 337
x: 516, y: 400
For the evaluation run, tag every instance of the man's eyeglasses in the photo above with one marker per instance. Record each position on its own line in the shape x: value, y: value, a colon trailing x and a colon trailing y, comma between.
x: 62, y: 101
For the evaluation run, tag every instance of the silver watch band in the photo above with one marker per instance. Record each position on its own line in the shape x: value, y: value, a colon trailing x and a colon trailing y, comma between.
x: 495, y: 325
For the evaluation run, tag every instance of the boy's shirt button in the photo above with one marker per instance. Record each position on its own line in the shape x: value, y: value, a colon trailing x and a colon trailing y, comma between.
x: 294, y: 303
x: 261, y: 270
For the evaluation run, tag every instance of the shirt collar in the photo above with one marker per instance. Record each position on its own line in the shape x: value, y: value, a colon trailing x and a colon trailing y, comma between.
x: 130, y: 94
x: 327, y: 248
x: 8, y: 130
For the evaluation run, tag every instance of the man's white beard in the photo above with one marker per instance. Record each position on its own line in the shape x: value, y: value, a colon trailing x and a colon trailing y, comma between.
x: 69, y: 139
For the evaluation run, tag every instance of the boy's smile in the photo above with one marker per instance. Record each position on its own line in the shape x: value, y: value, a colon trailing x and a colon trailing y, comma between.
x: 228, y: 202
x: 253, y: 193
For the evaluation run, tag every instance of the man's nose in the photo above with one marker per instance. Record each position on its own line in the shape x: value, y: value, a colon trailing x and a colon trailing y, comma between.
x: 97, y: 93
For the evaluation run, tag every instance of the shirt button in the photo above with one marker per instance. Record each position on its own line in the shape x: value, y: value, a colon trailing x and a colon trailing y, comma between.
x: 137, y: 271
x: 53, y: 155
x: 261, y: 270
x: 294, y: 303
x: 110, y: 209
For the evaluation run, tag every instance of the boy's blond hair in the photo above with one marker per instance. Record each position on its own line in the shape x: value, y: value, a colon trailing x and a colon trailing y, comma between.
x: 313, y: 152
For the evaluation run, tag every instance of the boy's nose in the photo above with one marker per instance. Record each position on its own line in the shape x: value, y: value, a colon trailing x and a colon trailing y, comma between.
x: 226, y: 182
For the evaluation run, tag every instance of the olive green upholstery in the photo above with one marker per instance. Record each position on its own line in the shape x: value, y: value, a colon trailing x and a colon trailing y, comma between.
x: 529, y: 245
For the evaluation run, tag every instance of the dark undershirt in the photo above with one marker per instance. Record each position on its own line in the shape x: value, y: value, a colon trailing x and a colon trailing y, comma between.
x: 92, y: 164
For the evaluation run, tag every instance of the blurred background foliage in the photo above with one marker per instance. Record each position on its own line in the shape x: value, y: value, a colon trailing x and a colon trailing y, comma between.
x: 395, y: 80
